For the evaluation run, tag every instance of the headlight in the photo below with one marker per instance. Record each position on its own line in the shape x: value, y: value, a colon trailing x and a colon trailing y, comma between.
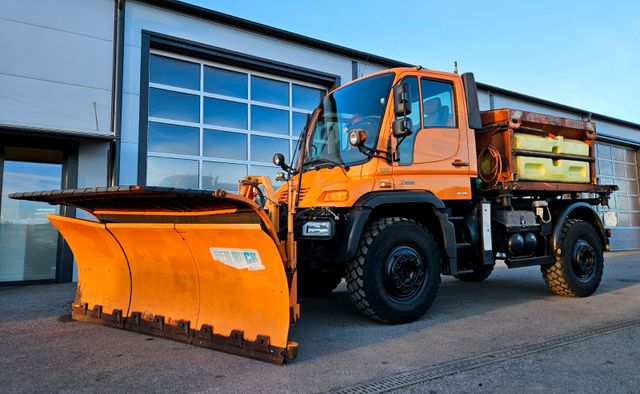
x: 317, y: 229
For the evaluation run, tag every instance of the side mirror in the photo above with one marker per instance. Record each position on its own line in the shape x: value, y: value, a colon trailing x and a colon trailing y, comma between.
x: 357, y: 137
x: 401, y: 128
x: 401, y: 100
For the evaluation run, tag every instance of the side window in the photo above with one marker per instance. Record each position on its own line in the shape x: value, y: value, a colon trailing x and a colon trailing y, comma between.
x: 405, y: 151
x: 438, y: 104
x: 412, y: 83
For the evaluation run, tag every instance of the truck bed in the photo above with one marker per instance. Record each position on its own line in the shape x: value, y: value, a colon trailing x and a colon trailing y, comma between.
x: 524, y: 152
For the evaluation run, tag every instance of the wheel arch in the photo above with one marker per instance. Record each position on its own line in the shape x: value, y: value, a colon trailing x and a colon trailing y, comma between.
x: 421, y: 206
x: 578, y: 210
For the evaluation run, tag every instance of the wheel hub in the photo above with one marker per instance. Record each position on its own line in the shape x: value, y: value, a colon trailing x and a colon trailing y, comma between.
x: 584, y: 260
x: 404, y: 273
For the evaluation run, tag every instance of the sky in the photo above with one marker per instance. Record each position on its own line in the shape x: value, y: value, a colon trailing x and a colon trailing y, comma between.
x: 582, y: 53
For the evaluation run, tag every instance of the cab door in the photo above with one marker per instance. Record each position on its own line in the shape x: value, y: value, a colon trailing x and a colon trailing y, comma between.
x: 435, y: 157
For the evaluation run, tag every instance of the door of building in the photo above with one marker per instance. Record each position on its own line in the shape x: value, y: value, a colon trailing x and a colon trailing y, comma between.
x: 29, y: 243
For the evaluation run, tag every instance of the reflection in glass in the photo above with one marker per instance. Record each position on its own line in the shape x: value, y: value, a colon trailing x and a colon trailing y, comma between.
x: 174, y: 105
x: 225, y: 82
x: 263, y: 148
x: 222, y: 175
x: 437, y: 103
x: 172, y: 172
x: 298, y: 121
x: 224, y: 145
x: 269, y: 171
x: 305, y: 97
x: 269, y: 120
x: 225, y: 113
x: 269, y: 90
x: 168, y: 138
x: 174, y: 72
x: 28, y: 242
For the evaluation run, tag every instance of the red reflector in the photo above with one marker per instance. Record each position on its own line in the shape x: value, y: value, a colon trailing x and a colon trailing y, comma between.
x: 608, y: 232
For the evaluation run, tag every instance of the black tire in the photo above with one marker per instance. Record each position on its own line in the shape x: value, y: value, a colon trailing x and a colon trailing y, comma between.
x: 577, y: 271
x: 395, y: 275
x: 313, y: 284
x: 478, y: 275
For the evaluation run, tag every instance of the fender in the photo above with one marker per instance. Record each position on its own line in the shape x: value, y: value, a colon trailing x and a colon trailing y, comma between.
x: 366, y: 204
x: 578, y: 210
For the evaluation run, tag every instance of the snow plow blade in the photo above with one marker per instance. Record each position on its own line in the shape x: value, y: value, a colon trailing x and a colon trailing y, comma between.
x: 200, y: 267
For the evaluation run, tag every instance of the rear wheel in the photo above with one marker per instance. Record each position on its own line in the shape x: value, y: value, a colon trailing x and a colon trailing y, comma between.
x: 477, y: 275
x: 577, y: 271
x: 395, y: 276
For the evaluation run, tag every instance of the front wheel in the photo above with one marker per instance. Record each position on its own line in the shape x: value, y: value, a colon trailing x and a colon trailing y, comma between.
x: 395, y: 275
x: 577, y: 270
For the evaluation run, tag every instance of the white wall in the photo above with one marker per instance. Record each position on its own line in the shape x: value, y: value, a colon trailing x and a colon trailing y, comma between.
x: 140, y: 17
x: 603, y: 128
x: 56, y: 64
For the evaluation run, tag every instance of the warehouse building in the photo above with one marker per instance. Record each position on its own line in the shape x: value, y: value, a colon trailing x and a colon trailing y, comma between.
x: 108, y: 92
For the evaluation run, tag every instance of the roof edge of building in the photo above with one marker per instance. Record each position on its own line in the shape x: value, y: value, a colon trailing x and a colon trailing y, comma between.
x: 549, y: 103
x: 216, y: 16
x: 220, y: 17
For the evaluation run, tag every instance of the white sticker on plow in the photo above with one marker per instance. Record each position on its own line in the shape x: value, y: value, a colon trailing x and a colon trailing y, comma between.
x: 240, y: 259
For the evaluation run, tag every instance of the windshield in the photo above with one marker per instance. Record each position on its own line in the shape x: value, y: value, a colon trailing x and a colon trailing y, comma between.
x: 357, y: 106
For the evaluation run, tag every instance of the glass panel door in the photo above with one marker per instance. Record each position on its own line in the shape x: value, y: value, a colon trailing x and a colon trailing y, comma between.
x: 29, y: 243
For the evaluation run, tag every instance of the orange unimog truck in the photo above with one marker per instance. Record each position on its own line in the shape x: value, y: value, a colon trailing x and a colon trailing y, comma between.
x: 398, y: 179
x: 392, y: 196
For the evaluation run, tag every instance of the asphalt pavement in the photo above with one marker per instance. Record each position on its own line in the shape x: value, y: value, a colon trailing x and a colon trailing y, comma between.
x: 507, y: 334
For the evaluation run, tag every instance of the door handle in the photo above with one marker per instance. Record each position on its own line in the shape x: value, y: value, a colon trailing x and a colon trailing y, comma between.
x: 459, y: 163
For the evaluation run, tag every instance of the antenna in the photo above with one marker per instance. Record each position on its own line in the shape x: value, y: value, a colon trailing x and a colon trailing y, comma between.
x: 364, y: 67
x: 455, y: 66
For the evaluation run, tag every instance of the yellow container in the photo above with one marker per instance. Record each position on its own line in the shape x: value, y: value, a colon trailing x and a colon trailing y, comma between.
x: 548, y: 170
x: 556, y: 145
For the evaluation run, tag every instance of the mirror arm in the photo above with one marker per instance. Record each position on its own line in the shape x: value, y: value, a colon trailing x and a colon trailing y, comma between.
x: 379, y: 153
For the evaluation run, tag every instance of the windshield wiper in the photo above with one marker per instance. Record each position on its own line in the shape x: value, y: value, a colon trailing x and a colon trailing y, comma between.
x: 322, y: 162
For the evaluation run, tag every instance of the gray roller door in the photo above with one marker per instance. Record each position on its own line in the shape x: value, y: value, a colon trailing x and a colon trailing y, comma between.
x: 618, y: 165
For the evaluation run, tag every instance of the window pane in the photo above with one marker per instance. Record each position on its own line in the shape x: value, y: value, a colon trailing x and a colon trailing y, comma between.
x: 174, y: 72
x: 405, y: 150
x: 604, y: 151
x: 263, y: 148
x: 298, y: 121
x: 172, y: 172
x: 224, y: 145
x: 605, y: 167
x: 27, y: 240
x: 269, y: 90
x: 222, y: 175
x: 269, y: 120
x: 617, y: 153
x: 174, y: 105
x: 437, y: 104
x: 269, y: 171
x: 226, y: 82
x: 305, y: 97
x: 225, y: 113
x: 630, y: 156
x: 169, y: 138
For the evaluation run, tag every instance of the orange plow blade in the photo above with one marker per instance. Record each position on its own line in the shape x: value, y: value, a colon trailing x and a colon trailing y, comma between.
x: 194, y: 268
